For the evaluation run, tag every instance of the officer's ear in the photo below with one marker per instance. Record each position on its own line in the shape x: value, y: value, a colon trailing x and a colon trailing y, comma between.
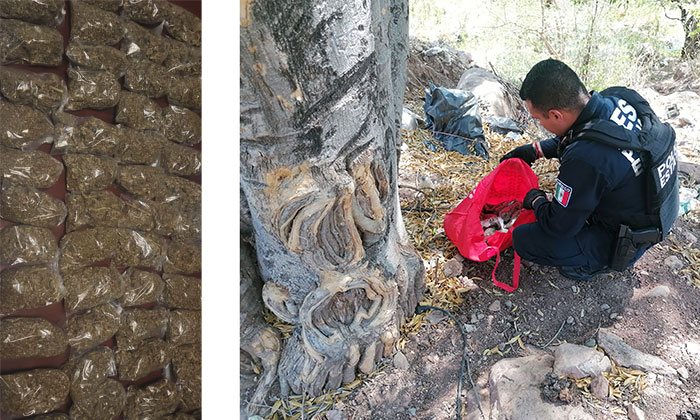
x: 555, y: 114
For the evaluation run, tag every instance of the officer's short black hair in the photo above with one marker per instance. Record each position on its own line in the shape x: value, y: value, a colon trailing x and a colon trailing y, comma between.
x: 551, y: 84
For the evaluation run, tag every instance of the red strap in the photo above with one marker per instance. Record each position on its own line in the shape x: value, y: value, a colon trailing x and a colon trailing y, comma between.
x: 516, y: 274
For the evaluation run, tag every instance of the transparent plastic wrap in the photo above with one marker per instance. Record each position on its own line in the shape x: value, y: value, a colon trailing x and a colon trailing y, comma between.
x: 88, y: 246
x: 24, y: 43
x: 182, y: 292
x: 183, y: 258
x: 139, y: 112
x: 147, y: 12
x: 29, y: 206
x: 29, y: 287
x: 91, y: 286
x: 146, y: 78
x: 140, y: 147
x: 23, y: 127
x: 93, y: 25
x: 93, y: 89
x: 97, y: 57
x: 183, y: 59
x: 40, y: 12
x: 184, y: 327
x: 181, y: 160
x: 149, y: 356
x: 108, y: 5
x: 30, y: 337
x: 104, y: 209
x: 179, y: 416
x: 180, y: 222
x: 27, y: 245
x: 153, y: 184
x: 185, y: 91
x: 32, y: 392
x: 183, y: 25
x: 97, y: 401
x: 43, y: 91
x: 139, y: 42
x: 94, y: 367
x: 141, y: 287
x: 151, y: 402
x: 182, y: 125
x: 74, y: 134
x: 88, y: 172
x: 52, y: 416
x: 93, y: 327
x: 139, y: 325
x: 187, y: 366
x: 34, y: 168
x: 140, y: 249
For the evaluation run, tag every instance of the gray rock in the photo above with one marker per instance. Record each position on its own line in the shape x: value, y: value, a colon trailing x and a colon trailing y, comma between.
x: 627, y: 356
x: 474, y: 319
x: 409, y: 120
x: 495, y: 306
x: 469, y: 328
x: 480, y: 316
x: 683, y: 372
x: 452, y: 268
x: 600, y: 387
x: 692, y: 348
x: 484, y: 85
x: 412, y: 411
x: 613, y: 315
x: 400, y: 361
x: 579, y: 361
x: 659, y: 291
x: 433, y: 357
x: 634, y: 412
x: 435, y: 317
x: 570, y: 320
x: 604, y: 307
x: 590, y: 342
x: 690, y: 237
x: 673, y: 262
x: 335, y: 415
x: 509, y: 304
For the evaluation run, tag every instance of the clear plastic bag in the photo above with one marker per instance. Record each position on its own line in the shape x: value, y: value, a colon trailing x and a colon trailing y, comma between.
x: 146, y: 78
x: 139, y: 325
x: 74, y: 134
x: 93, y: 25
x: 97, y: 401
x: 23, y: 127
x: 181, y: 223
x: 30, y: 337
x: 180, y: 416
x: 27, y: 205
x: 29, y: 287
x: 182, y: 292
x: 93, y: 327
x: 153, y: 184
x: 139, y: 42
x: 104, y: 209
x: 40, y: 12
x: 183, y: 258
x: 181, y: 160
x: 97, y: 57
x: 43, y: 91
x: 108, y: 5
x: 52, y: 416
x: 24, y: 43
x: 34, y: 168
x: 88, y: 246
x: 27, y: 245
x: 152, y: 402
x: 187, y: 366
x: 185, y: 91
x: 148, y: 357
x: 88, y: 172
x: 141, y: 287
x: 93, y: 366
x: 184, y: 327
x: 32, y: 392
x: 182, y: 125
x: 139, y: 249
x: 183, y: 25
x: 91, y: 286
x: 139, y: 112
x: 183, y: 59
x: 93, y: 89
x: 147, y: 12
x: 140, y: 147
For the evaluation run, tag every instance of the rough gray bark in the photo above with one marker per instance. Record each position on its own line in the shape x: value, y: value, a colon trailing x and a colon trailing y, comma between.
x: 321, y: 95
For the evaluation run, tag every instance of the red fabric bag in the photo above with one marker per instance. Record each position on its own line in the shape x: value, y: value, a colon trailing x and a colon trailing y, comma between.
x: 511, y: 180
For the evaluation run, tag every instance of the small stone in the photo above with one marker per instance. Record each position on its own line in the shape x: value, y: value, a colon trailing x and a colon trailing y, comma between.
x: 690, y: 237
x: 474, y: 319
x: 659, y: 291
x: 501, y: 346
x: 509, y: 304
x: 604, y: 307
x: 634, y: 412
x: 495, y: 306
x: 570, y: 320
x: 683, y: 372
x: 435, y: 317
x: 480, y: 316
x: 469, y: 328
x: 412, y: 411
x: 583, y: 313
x: 613, y: 315
x: 335, y: 415
x: 575, y: 289
x: 434, y: 358
x: 400, y: 361
x: 452, y: 268
x: 673, y: 262
x: 599, y: 387
x: 590, y: 342
x: 692, y: 348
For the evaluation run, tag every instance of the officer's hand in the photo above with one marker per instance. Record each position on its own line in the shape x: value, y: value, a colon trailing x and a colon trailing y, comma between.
x: 532, y: 196
x: 525, y: 152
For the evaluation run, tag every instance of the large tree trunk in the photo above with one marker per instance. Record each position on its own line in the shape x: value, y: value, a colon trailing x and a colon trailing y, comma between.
x: 321, y: 97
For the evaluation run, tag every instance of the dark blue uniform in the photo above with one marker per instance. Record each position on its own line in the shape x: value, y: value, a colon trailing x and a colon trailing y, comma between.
x: 593, y: 177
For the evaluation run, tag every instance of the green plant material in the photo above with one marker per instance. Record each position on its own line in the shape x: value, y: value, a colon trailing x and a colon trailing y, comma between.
x: 89, y: 172
x: 181, y: 160
x: 30, y: 337
x: 153, y: 184
x: 183, y: 59
x: 154, y: 401
x: 43, y: 91
x: 139, y: 325
x: 139, y: 112
x: 185, y: 91
x: 134, y: 364
x: 91, y: 286
x: 84, y: 135
x: 183, y: 25
x: 182, y: 292
x: 141, y: 287
x: 182, y: 125
x: 146, y: 78
x: 183, y: 258
x: 42, y: 12
x: 104, y: 209
x: 92, y: 25
x: 24, y: 43
x: 184, y: 327
x: 108, y: 5
x: 97, y: 401
x: 98, y: 57
x: 140, y: 147
x: 31, y: 392
x: 180, y: 222
x: 93, y: 327
x: 29, y: 287
x: 29, y: 206
x: 179, y: 416
x: 139, y: 249
x: 94, y: 367
x: 52, y: 416
x: 27, y: 245
x: 23, y: 127
x: 147, y: 12
x: 92, y: 89
x: 141, y: 43
x: 187, y: 366
x: 88, y: 246
x: 33, y: 168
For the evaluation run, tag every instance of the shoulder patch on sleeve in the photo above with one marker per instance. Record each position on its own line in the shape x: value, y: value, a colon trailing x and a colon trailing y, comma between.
x: 562, y: 193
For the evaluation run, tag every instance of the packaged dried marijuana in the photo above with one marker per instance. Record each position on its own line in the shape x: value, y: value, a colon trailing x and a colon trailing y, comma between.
x: 91, y: 286
x: 143, y: 181
x: 52, y: 416
x: 147, y: 12
x: 183, y: 258
x: 140, y: 147
x: 108, y: 5
x: 184, y: 327
x: 30, y: 337
x: 181, y: 160
x: 27, y: 205
x: 43, y: 91
x: 88, y: 246
x: 84, y: 135
x: 93, y: 327
x: 89, y: 172
x: 31, y: 392
x: 94, y: 89
x: 92, y: 25
x: 94, y: 366
x: 178, y: 416
x: 97, y: 401
x: 104, y: 209
x: 181, y: 223
x: 146, y: 78
x: 41, y: 12
x: 141, y: 324
x: 139, y: 42
x: 139, y: 112
x: 24, y: 43
x: 187, y: 366
x: 139, y: 249
x: 183, y: 59
x: 23, y: 127
x: 29, y: 287
x: 152, y: 402
x: 33, y: 168
x: 141, y: 287
x: 182, y: 125
x: 27, y: 245
x: 147, y: 357
x: 185, y: 91
x: 97, y: 57
x: 183, y: 25
x: 182, y: 292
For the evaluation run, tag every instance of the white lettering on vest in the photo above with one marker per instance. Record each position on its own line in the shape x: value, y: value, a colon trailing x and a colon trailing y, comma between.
x: 666, y: 169
x: 624, y: 115
x: 635, y: 163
